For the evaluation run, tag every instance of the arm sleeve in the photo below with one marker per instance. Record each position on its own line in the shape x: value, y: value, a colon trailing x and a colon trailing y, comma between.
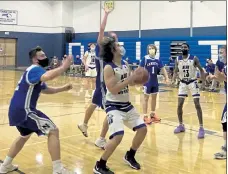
x: 33, y: 75
x: 142, y: 62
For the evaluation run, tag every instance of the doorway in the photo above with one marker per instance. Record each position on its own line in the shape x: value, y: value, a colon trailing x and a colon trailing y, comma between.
x: 8, y: 53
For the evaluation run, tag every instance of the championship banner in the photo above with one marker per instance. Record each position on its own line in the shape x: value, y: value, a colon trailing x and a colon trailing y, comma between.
x: 8, y: 17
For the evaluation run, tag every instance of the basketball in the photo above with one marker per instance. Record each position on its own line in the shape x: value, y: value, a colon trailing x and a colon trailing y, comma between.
x: 142, y: 76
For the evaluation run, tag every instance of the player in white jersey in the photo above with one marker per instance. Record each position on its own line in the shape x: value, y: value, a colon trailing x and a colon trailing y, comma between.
x: 89, y: 61
x: 119, y: 110
x: 187, y: 65
x: 90, y: 69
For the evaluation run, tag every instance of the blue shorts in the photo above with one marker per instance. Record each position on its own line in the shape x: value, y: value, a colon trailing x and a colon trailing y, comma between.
x: 151, y: 89
x: 97, y: 98
x: 37, y: 122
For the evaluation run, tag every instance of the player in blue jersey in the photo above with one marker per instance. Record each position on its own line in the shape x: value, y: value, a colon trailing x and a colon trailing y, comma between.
x: 187, y: 65
x: 222, y: 76
x: 24, y: 115
x: 99, y: 94
x: 153, y: 66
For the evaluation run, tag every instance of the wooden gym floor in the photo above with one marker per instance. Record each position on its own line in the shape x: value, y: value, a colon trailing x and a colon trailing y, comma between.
x: 161, y: 153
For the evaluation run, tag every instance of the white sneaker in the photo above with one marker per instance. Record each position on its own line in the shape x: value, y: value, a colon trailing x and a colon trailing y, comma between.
x: 83, y: 128
x: 64, y: 171
x: 101, y: 143
x: 8, y: 168
x: 220, y: 155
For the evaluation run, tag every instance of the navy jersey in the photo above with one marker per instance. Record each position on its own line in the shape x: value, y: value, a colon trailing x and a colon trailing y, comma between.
x: 26, y: 94
x: 220, y: 65
x: 153, y: 66
x: 210, y: 68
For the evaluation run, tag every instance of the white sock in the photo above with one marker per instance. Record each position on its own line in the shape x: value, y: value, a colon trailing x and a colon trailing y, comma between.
x: 102, y: 138
x: 8, y: 160
x: 57, y: 165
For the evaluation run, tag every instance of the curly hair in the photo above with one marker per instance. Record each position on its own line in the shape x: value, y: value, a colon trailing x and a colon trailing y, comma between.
x: 107, y: 46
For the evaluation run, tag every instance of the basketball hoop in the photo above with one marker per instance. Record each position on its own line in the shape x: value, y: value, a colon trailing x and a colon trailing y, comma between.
x: 109, y: 5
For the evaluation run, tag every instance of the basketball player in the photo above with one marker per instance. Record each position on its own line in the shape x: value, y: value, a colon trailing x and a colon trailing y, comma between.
x: 222, y: 76
x: 153, y: 66
x: 99, y: 94
x: 90, y: 66
x: 24, y: 115
x: 118, y: 107
x: 187, y: 65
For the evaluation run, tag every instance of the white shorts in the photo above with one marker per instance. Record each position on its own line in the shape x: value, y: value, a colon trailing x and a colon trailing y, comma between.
x: 117, y: 119
x: 91, y: 72
x: 193, y: 87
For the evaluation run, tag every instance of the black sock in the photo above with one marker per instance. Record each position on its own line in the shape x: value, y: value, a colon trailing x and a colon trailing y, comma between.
x: 131, y: 152
x: 102, y: 163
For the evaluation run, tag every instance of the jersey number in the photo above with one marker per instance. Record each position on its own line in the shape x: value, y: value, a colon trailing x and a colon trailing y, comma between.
x: 152, y: 70
x: 186, y: 73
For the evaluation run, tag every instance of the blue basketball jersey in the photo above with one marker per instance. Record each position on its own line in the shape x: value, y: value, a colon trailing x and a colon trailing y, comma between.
x: 220, y: 65
x: 26, y: 94
x: 210, y: 68
x: 153, y: 66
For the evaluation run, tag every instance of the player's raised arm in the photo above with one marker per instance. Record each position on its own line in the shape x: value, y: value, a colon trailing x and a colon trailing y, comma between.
x: 49, y: 75
x: 103, y: 25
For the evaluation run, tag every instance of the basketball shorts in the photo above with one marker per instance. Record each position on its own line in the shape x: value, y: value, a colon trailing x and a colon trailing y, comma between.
x: 91, y: 72
x: 150, y: 90
x: 224, y: 119
x: 37, y: 122
x: 120, y: 114
x: 192, y: 86
x: 97, y: 98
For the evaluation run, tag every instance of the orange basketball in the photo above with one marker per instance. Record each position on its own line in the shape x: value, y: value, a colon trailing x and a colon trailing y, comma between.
x: 142, y: 76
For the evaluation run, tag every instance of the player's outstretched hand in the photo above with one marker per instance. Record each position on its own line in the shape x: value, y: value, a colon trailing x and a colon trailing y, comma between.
x: 67, y: 87
x: 67, y: 61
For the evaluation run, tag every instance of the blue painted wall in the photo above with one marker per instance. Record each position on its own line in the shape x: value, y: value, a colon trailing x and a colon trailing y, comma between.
x: 201, y: 51
x: 52, y: 44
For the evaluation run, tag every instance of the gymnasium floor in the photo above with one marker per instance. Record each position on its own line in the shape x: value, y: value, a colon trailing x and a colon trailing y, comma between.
x: 161, y: 153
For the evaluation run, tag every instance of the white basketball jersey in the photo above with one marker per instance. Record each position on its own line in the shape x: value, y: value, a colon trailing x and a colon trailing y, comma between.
x: 90, y: 61
x: 187, y: 70
x: 121, y: 73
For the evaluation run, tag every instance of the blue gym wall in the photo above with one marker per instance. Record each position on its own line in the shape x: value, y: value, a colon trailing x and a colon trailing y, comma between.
x: 51, y: 43
x: 165, y: 36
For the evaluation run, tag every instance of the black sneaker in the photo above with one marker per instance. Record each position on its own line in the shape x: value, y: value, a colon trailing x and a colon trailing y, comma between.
x: 131, y: 161
x: 98, y: 170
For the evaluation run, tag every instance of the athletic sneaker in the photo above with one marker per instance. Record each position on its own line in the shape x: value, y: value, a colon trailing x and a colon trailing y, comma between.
x: 98, y: 170
x: 64, y: 171
x: 179, y: 129
x: 155, y: 118
x: 83, y: 128
x: 220, y: 155
x: 131, y: 161
x: 8, y: 168
x: 201, y: 133
x: 101, y: 143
